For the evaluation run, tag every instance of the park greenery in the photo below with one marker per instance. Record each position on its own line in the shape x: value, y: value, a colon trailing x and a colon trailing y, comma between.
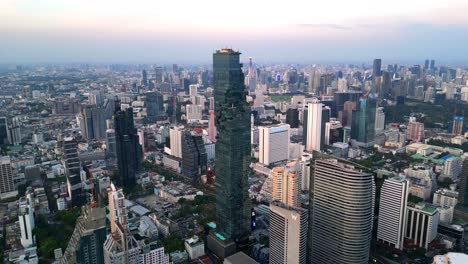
x: 51, y: 235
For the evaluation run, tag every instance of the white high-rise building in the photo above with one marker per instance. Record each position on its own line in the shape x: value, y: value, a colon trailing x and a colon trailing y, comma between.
x: 288, y: 234
x: 175, y: 137
x: 379, y: 119
x: 313, y: 123
x: 273, y: 144
x: 26, y: 220
x: 6, y: 176
x: 329, y: 129
x: 392, y: 212
x: 194, y: 112
x: 305, y: 169
x: 341, y: 212
x: 421, y: 224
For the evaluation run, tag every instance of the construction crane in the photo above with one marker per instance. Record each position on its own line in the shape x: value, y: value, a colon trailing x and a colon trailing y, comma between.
x: 90, y: 176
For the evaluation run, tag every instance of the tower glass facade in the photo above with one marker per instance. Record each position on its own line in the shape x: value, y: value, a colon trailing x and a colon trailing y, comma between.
x: 363, y: 122
x: 232, y: 146
x: 129, y: 151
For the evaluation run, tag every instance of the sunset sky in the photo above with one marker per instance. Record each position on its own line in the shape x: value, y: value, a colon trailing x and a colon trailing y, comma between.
x: 145, y: 31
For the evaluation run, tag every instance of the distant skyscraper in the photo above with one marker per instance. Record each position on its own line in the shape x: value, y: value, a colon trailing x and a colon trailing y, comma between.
x: 363, y: 123
x: 158, y: 76
x: 314, y: 80
x: 15, y: 132
x: 94, y: 122
x: 313, y: 125
x: 432, y: 65
x: 288, y: 234
x: 26, y: 219
x: 426, y: 64
x: 3, y: 131
x: 111, y: 149
x: 340, y: 213
x: 286, y: 184
x: 377, y: 68
x: 379, y: 120
x: 457, y: 128
x: 72, y: 171
x: 232, y: 152
x: 392, y: 216
x: 129, y: 151
x: 86, y: 243
x: 144, y: 80
x: 154, y: 106
x: 273, y: 143
x: 175, y: 141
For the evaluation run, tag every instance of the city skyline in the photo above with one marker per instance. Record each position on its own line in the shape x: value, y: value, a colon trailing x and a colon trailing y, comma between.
x: 161, y: 32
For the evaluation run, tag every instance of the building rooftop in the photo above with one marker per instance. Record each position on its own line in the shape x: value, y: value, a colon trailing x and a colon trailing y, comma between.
x: 239, y: 258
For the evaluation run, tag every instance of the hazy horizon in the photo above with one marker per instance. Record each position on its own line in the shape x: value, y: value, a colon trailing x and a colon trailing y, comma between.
x: 61, y: 32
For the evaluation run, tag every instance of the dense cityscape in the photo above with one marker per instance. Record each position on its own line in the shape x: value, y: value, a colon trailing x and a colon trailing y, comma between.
x: 234, y: 162
x: 222, y: 132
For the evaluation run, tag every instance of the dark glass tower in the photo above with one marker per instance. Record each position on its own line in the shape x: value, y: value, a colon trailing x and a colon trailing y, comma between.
x: 3, y: 131
x: 154, y: 106
x: 129, y: 152
x: 363, y: 122
x: 232, y: 146
x: 194, y: 157
x: 463, y: 184
x: 377, y: 68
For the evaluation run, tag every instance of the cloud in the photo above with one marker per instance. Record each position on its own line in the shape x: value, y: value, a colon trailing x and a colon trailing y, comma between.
x: 326, y: 26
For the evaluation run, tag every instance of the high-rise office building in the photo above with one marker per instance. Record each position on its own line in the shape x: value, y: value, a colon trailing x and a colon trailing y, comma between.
x: 232, y: 153
x: 3, y: 131
x: 144, y: 78
x: 292, y: 117
x: 273, y: 143
x: 286, y: 184
x: 72, y: 166
x: 193, y: 90
x: 111, y: 145
x: 313, y: 125
x: 87, y: 240
x: 314, y: 80
x: 421, y: 223
x: 26, y: 219
x: 158, y: 75
x: 194, y: 157
x: 154, y: 106
x: 14, y: 131
x: 129, y: 151
x: 333, y: 132
x: 363, y: 123
x: 379, y: 119
x: 96, y: 98
x: 457, y: 128
x: 432, y: 65
x: 341, y: 213
x: 377, y: 68
x: 392, y: 212
x: 426, y: 64
x: 94, y: 122
x: 288, y: 234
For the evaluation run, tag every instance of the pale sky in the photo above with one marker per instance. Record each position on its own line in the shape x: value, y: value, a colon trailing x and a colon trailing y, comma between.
x: 155, y: 31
